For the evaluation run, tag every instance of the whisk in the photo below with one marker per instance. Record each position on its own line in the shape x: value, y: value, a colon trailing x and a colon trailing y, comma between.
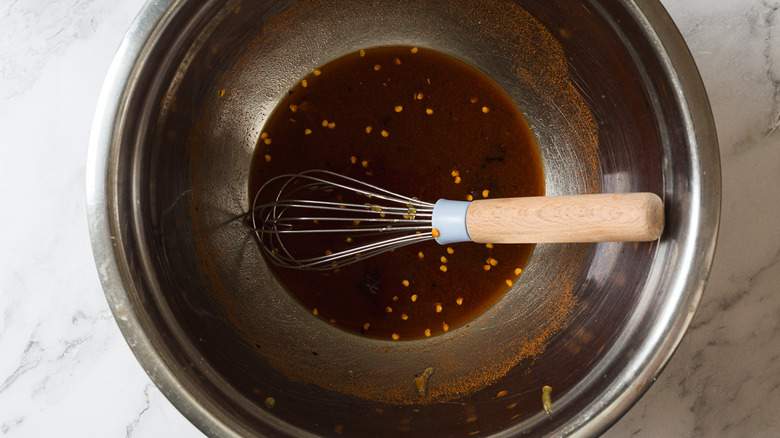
x: 321, y: 220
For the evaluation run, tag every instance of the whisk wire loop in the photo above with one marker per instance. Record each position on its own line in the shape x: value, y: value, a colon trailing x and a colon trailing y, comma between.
x: 320, y: 202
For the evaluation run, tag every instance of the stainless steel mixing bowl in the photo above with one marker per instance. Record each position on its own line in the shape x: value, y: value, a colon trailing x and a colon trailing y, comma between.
x: 617, y: 105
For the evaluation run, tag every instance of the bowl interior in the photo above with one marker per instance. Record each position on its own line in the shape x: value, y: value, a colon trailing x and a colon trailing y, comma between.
x: 585, y: 319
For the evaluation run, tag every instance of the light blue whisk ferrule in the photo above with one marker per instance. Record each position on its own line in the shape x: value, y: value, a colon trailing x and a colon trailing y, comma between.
x: 449, y: 218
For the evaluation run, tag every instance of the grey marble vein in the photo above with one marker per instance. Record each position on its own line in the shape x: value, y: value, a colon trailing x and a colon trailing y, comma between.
x: 30, y: 359
x: 130, y: 428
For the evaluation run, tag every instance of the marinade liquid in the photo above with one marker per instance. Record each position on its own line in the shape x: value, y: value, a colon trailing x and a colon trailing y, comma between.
x: 422, y: 124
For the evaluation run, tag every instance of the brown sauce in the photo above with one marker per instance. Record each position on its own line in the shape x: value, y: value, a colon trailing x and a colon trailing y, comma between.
x: 422, y: 124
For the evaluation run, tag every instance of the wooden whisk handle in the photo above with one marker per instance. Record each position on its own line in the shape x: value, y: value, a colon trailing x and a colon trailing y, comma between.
x: 624, y: 217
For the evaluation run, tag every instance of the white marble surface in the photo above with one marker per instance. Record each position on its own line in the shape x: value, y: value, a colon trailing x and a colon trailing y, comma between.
x: 65, y: 370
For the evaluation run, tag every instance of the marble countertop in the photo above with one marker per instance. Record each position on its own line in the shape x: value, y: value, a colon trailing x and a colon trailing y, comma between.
x: 65, y: 369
